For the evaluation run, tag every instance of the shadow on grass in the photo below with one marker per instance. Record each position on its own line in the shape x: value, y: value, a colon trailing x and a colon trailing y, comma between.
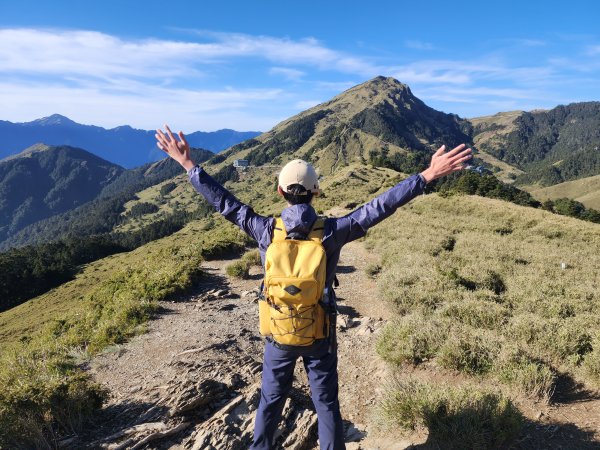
x: 568, y: 390
x: 534, y: 436
x: 537, y: 435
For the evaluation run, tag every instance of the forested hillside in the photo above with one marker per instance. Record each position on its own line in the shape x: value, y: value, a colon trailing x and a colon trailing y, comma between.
x: 44, y: 181
x: 549, y: 146
x: 102, y: 212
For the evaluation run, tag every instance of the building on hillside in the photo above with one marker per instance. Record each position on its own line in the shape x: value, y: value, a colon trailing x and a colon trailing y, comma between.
x: 241, y: 163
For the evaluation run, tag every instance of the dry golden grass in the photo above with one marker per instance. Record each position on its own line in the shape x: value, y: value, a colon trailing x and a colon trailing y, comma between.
x: 585, y: 190
x: 506, y: 307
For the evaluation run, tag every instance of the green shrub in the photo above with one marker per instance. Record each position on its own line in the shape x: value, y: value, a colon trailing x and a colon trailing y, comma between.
x: 468, y: 352
x: 412, y: 339
x: 558, y: 340
x: 238, y: 269
x: 167, y: 188
x: 252, y: 258
x: 529, y: 377
x: 591, y: 363
x: 141, y: 209
x: 456, y: 418
x: 44, y: 395
x: 477, y: 313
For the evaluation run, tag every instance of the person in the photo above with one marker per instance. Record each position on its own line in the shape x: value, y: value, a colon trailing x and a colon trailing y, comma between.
x: 298, y: 185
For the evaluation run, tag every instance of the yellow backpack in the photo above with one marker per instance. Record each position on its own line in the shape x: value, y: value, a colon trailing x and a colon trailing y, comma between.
x: 291, y: 309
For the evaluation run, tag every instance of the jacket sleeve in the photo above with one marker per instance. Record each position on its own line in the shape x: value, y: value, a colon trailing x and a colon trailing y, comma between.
x: 356, y: 224
x: 256, y: 226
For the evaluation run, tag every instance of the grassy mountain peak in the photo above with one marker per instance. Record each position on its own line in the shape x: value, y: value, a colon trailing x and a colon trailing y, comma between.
x: 380, y: 116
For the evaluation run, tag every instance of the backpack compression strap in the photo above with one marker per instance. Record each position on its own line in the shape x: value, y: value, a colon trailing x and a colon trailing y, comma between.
x: 316, y: 234
x: 279, y: 233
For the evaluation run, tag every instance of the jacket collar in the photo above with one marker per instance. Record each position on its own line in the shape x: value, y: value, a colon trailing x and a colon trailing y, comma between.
x: 299, y: 218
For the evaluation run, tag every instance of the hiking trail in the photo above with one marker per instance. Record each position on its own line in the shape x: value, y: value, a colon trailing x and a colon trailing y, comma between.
x: 193, y: 380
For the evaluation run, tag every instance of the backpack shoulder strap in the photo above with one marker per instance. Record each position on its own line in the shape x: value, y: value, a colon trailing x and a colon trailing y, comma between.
x: 279, y: 233
x: 318, y: 229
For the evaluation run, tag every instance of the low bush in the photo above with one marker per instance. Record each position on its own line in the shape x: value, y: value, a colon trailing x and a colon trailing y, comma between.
x: 167, y: 188
x: 558, y: 340
x: 591, y: 363
x: 469, y: 352
x: 412, y: 339
x: 252, y: 258
x: 141, y: 209
x: 527, y: 376
x: 44, y: 396
x: 238, y: 269
x: 477, y: 313
x: 456, y: 418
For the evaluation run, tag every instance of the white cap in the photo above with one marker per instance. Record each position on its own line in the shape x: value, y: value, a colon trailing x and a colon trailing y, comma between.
x: 299, y: 172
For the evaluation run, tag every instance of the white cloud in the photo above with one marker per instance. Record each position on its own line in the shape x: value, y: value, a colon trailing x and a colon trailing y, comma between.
x: 89, y: 53
x: 97, y: 54
x: 287, y: 73
x: 419, y: 45
x: 148, y: 108
x: 593, y: 50
x: 108, y: 80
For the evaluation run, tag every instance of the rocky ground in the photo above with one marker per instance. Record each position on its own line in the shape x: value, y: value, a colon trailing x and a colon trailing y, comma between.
x: 192, y: 381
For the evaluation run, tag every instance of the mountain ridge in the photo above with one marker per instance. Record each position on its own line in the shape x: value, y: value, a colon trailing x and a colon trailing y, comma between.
x: 114, y: 144
x: 381, y: 115
x: 49, y: 180
x: 550, y: 146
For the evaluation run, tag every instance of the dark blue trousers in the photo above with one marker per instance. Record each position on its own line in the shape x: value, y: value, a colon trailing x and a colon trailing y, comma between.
x: 278, y: 372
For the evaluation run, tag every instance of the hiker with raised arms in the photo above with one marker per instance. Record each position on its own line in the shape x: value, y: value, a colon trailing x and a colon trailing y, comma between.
x: 300, y: 252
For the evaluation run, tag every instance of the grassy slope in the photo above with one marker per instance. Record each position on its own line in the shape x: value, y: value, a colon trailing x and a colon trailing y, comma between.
x: 479, y: 287
x: 496, y: 126
x: 349, y: 186
x: 182, y: 196
x: 585, y: 190
x: 67, y: 300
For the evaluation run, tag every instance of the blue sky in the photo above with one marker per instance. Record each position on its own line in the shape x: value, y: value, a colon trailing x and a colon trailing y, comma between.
x: 247, y: 65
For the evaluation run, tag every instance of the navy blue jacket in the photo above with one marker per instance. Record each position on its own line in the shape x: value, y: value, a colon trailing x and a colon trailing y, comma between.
x: 300, y: 218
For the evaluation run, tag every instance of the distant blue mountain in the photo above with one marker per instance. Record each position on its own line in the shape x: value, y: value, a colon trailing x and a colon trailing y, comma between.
x: 125, y: 146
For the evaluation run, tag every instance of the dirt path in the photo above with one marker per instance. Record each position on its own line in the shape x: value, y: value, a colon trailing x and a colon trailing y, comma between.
x: 203, y: 353
x: 192, y: 381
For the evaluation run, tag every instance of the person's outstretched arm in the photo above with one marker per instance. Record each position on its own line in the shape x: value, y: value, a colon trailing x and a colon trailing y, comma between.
x: 356, y: 224
x: 255, y: 225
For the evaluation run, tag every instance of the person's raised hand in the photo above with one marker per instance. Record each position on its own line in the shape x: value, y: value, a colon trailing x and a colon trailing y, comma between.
x: 178, y: 149
x: 443, y: 163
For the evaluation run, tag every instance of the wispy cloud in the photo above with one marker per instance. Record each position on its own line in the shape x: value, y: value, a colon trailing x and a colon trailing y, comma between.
x: 419, y: 45
x: 136, y: 81
x: 144, y: 106
x: 593, y: 50
x: 287, y: 73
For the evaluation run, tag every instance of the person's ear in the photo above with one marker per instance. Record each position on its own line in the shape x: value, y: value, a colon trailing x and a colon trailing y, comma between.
x: 280, y: 191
